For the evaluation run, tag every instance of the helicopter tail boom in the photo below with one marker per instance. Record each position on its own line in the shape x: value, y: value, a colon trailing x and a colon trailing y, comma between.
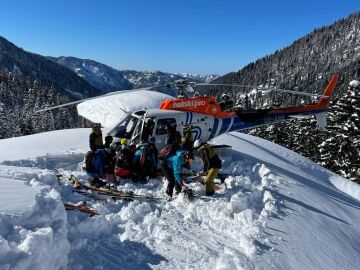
x: 324, y: 101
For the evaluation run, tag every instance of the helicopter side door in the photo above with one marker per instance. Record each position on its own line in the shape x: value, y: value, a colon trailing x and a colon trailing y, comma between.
x: 202, y: 125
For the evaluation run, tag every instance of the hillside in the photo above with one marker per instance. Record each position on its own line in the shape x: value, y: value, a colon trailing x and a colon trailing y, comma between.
x: 99, y: 75
x: 29, y: 82
x: 307, y: 65
x: 278, y: 211
x: 309, y: 62
x: 36, y: 67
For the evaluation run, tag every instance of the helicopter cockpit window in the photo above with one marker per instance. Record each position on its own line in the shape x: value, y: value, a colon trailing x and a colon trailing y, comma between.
x: 162, y: 123
x: 131, y: 125
x: 137, y: 131
x: 125, y: 128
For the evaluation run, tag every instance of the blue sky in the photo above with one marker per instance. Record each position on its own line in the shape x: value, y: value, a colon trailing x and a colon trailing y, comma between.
x: 196, y: 36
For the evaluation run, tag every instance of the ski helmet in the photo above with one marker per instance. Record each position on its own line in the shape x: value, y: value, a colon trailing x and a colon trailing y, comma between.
x: 197, y: 143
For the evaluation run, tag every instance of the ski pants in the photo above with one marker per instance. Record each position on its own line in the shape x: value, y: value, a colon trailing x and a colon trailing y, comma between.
x: 169, y: 174
x: 209, y: 179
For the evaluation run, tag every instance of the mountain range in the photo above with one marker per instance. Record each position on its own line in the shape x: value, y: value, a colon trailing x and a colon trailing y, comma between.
x: 109, y: 79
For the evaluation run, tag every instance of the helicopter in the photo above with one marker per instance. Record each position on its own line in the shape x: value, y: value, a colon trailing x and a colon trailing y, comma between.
x: 206, y: 117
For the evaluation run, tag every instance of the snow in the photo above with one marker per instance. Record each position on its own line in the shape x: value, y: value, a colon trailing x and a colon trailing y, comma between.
x: 33, y: 224
x: 279, y: 211
x: 109, y: 109
x: 12, y: 201
x: 354, y: 83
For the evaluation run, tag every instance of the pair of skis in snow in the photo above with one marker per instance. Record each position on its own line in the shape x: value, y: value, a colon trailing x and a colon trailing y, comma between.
x: 107, y: 192
x: 81, y: 207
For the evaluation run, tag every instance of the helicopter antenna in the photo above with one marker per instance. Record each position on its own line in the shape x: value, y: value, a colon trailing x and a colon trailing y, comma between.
x: 125, y: 111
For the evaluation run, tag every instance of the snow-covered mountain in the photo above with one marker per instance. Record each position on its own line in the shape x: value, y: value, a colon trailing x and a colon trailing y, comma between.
x: 206, y: 78
x: 109, y: 79
x: 99, y: 75
x: 35, y: 67
x: 150, y: 78
x: 278, y: 210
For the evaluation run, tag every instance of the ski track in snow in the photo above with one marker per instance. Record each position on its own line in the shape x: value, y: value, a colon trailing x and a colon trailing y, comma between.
x: 236, y: 229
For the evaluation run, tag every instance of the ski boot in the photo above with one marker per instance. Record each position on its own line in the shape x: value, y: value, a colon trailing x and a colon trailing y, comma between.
x: 209, y: 193
x: 96, y: 182
x: 189, y: 193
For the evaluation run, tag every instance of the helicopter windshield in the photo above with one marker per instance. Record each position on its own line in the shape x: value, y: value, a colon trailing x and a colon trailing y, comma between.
x: 125, y: 128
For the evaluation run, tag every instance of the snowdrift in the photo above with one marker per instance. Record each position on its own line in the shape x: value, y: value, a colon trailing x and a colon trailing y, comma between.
x: 279, y: 211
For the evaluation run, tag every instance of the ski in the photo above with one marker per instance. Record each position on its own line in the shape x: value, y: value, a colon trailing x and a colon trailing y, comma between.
x: 81, y: 207
x: 111, y: 193
x: 127, y: 197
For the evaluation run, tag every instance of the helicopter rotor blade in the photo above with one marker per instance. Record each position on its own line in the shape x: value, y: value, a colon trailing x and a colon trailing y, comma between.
x: 264, y: 89
x: 225, y: 84
x: 292, y: 92
x: 86, y: 99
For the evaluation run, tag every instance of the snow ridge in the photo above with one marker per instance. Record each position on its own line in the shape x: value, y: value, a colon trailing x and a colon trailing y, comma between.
x: 278, y: 211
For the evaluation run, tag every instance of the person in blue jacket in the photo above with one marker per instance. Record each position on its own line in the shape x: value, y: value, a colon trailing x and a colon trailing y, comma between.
x: 172, y: 167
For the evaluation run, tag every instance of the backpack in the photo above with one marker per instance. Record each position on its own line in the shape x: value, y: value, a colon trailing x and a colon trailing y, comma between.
x: 98, y: 162
x: 89, y: 156
x: 166, y: 151
x: 124, y: 158
x: 145, y: 156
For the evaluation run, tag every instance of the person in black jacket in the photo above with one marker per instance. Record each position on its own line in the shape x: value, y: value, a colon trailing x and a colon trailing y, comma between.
x: 153, y: 152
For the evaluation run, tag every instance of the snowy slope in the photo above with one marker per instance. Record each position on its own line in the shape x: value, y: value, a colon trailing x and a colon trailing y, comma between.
x: 279, y: 211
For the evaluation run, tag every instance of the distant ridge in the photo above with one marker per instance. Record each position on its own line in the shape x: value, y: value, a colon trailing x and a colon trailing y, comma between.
x: 36, y: 67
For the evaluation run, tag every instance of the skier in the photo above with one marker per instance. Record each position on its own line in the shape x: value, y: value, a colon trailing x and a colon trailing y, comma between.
x: 124, y: 159
x: 173, y: 136
x: 99, y: 169
x: 212, y: 165
x: 172, y: 167
x: 141, y: 162
x: 108, y: 141
x: 153, y: 157
x: 187, y: 140
x: 95, y: 138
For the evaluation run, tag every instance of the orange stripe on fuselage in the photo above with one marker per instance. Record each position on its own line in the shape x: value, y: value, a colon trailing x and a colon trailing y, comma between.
x: 203, y: 105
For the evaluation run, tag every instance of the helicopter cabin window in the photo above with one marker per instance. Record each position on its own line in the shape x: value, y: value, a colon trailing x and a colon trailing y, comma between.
x: 162, y: 123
